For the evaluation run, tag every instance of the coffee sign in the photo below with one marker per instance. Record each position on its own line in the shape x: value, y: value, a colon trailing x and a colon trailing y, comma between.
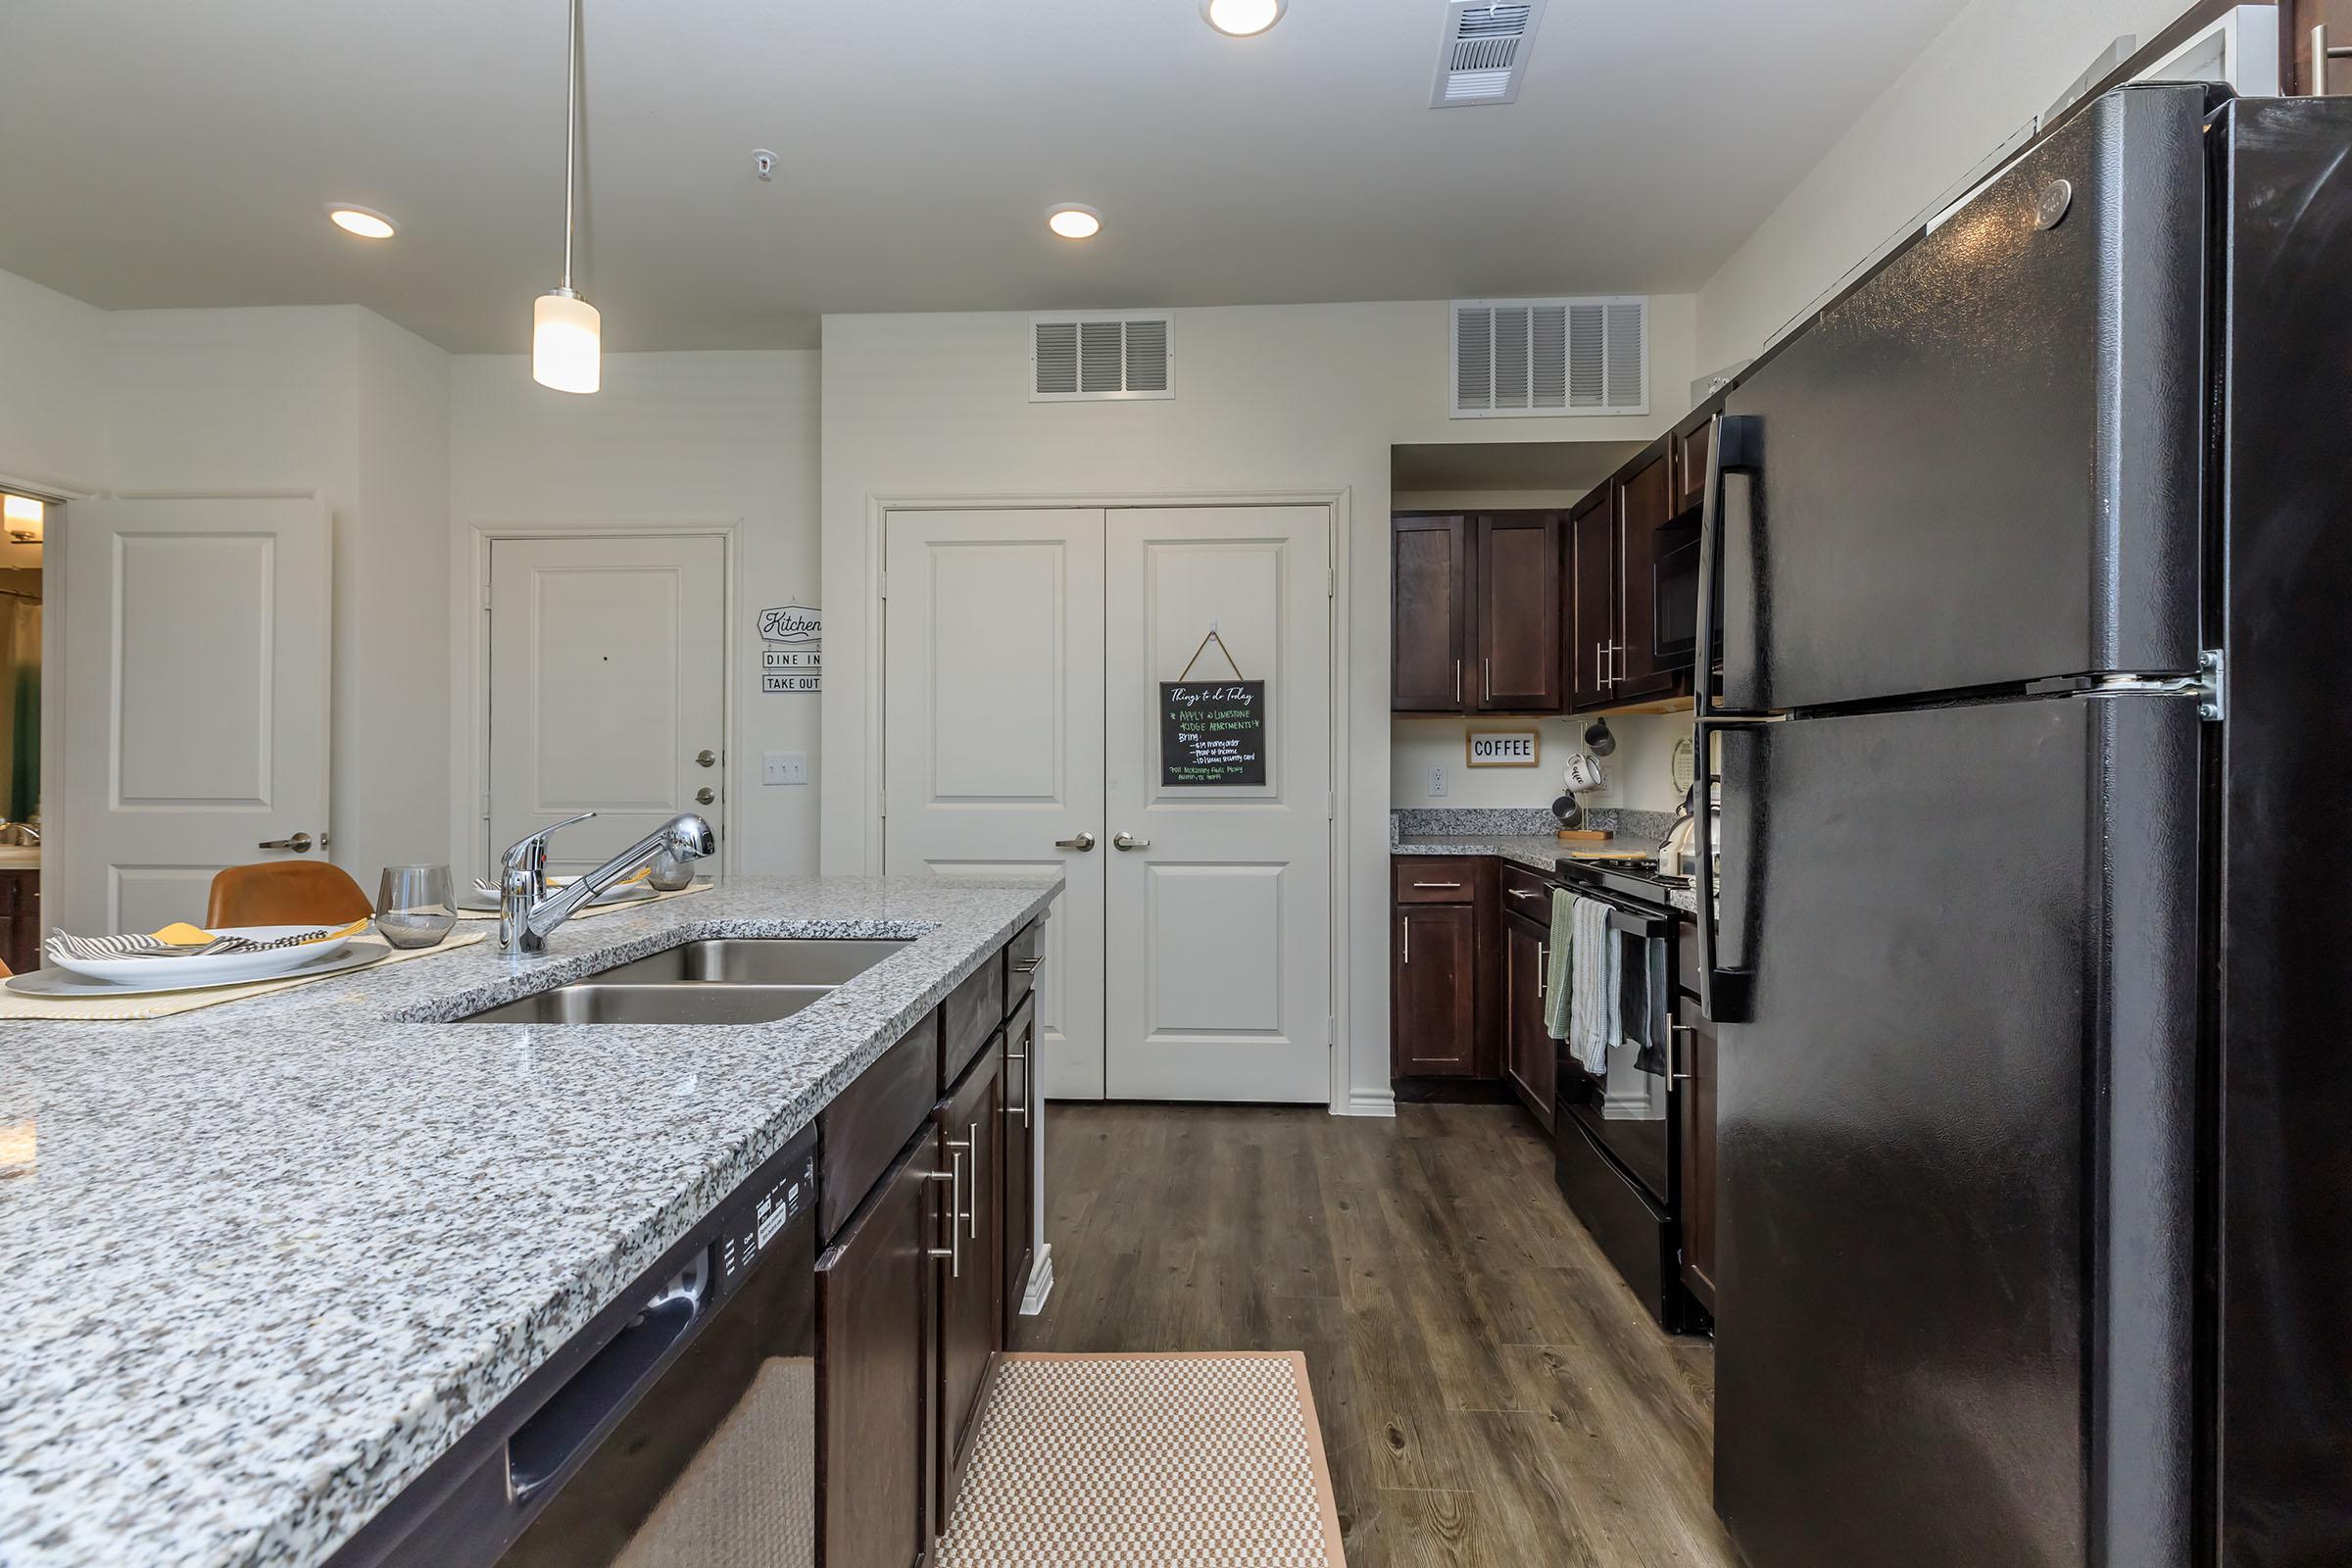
x: 1503, y: 748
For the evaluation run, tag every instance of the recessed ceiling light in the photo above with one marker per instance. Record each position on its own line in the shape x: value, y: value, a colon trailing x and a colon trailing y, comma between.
x: 364, y: 222
x: 1073, y: 222
x: 1242, y: 18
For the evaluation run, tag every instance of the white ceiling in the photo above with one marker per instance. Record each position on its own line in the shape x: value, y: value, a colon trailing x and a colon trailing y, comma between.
x: 170, y: 153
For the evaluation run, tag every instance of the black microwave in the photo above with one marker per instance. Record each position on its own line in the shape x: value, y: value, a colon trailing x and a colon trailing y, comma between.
x: 1674, y: 581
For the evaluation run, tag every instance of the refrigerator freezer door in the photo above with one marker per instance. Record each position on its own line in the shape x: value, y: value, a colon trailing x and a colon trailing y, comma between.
x: 1981, y: 468
x: 1956, y: 1138
x: 2284, y: 1397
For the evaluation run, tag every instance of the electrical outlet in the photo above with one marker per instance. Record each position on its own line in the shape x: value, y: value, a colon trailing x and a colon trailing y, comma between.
x: 784, y: 768
x: 1437, y: 780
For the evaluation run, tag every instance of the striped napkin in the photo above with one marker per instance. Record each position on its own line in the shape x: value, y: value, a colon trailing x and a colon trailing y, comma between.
x: 182, y: 940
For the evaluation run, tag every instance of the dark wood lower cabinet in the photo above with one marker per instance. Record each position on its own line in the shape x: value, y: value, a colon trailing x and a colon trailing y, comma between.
x: 1022, y: 1108
x: 1531, y: 1061
x: 20, y: 920
x: 874, y: 1384
x: 1435, y: 1026
x: 970, y: 1276
x: 1695, y: 1059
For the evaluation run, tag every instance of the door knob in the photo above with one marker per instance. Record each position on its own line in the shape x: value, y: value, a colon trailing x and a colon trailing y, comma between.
x: 300, y: 844
x: 1123, y: 841
x: 706, y: 757
x: 1082, y: 843
x: 704, y: 796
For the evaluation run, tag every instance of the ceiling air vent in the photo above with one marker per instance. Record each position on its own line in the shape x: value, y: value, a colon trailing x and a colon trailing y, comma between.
x: 1483, y: 55
x: 1098, y: 356
x: 1515, y: 358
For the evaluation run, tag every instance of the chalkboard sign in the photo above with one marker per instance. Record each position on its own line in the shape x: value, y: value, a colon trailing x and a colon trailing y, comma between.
x: 1212, y: 732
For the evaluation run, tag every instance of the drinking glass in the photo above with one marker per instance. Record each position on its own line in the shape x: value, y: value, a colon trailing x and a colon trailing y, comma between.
x: 413, y: 907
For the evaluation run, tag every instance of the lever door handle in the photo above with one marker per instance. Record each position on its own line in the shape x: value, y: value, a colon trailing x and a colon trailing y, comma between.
x: 706, y: 757
x: 300, y: 844
x: 704, y: 796
x: 1123, y: 841
x: 1082, y: 843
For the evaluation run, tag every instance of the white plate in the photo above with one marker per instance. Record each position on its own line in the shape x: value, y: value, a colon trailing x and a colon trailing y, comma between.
x: 212, y: 969
x: 475, y: 898
x: 358, y: 954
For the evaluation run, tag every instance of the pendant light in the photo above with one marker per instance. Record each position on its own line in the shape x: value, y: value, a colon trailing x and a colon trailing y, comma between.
x: 566, y: 333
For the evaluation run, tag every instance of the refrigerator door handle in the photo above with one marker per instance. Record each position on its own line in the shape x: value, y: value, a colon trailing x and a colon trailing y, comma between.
x: 1723, y: 993
x: 1735, y: 444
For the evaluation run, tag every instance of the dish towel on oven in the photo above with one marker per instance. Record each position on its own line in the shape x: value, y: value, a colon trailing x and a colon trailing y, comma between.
x: 1555, y: 964
x: 1592, y: 986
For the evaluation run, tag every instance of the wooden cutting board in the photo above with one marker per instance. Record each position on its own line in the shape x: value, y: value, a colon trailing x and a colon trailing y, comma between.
x: 1612, y: 855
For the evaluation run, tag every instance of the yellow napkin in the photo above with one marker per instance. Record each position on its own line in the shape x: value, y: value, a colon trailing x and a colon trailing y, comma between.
x: 181, y: 934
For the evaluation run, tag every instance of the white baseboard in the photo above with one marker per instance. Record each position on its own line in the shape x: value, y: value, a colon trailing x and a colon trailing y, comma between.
x: 1040, y: 1282
x: 1367, y: 1103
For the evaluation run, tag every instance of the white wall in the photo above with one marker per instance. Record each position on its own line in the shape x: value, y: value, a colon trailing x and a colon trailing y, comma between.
x: 52, y: 419
x: 673, y: 440
x: 1641, y: 770
x: 1269, y: 400
x: 337, y: 400
x: 1997, y: 65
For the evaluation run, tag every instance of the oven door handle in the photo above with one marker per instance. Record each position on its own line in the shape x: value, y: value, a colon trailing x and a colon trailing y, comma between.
x: 542, y: 1448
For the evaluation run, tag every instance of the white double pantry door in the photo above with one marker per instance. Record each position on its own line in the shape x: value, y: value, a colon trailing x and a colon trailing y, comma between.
x: 1024, y: 656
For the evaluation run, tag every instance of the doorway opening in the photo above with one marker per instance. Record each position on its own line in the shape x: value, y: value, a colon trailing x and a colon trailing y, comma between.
x: 25, y: 519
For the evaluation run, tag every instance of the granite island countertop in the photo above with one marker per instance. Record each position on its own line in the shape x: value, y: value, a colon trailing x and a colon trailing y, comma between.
x: 262, y: 1264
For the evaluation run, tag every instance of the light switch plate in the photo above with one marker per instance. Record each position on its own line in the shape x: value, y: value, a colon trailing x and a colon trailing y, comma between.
x: 784, y: 768
x: 1437, y: 779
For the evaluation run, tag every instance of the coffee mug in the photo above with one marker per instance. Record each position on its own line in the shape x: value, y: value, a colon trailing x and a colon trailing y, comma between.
x: 1583, y: 774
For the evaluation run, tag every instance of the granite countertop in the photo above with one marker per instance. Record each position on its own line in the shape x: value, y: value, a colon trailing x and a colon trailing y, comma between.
x: 1537, y: 851
x: 263, y: 1263
x: 1525, y: 837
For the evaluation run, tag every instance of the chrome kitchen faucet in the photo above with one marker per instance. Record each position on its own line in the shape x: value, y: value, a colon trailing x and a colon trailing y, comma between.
x: 527, y: 913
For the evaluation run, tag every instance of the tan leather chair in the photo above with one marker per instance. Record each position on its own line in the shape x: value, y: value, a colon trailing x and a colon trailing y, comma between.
x: 287, y: 893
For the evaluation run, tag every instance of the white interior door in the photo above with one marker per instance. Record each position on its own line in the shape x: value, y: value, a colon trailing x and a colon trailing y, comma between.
x: 607, y: 689
x: 1218, y: 932
x: 992, y: 735
x: 198, y: 668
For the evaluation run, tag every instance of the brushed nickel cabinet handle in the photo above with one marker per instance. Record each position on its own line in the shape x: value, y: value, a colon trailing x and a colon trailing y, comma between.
x: 1437, y: 884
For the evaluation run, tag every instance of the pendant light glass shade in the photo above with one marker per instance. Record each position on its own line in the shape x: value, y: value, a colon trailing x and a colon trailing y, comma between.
x: 566, y: 342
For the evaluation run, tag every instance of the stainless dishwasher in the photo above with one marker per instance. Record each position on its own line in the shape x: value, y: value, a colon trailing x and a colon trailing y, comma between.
x: 678, y: 1430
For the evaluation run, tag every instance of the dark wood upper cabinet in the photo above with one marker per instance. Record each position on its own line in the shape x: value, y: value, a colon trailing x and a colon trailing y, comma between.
x: 1430, y: 614
x: 1518, y: 614
x: 1592, y: 598
x: 1644, y: 506
x: 875, y: 1350
x: 1690, y: 464
x: 1695, y: 1057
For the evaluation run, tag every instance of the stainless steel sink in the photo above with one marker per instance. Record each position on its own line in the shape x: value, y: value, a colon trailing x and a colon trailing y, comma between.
x: 755, y: 961
x: 596, y: 1001
x: 724, y: 981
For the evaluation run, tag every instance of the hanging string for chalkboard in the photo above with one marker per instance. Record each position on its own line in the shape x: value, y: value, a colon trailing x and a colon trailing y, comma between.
x: 1212, y: 637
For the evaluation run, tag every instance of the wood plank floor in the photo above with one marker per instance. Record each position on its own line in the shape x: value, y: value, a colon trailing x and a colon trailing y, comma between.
x: 1490, y: 1391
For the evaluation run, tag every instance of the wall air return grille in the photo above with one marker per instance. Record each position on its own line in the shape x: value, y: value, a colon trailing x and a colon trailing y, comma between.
x: 1483, y: 55
x: 1100, y: 355
x: 1515, y: 358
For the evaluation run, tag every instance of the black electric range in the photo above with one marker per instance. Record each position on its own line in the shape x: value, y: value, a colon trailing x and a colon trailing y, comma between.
x: 1617, y: 1134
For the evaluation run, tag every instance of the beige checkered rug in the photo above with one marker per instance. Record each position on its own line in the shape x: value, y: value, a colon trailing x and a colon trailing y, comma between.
x: 1137, y: 1461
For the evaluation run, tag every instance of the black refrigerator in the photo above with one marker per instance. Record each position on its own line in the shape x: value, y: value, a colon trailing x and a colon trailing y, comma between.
x: 2031, y: 562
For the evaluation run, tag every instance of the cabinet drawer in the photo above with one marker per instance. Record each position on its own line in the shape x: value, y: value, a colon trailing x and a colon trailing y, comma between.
x: 970, y: 1018
x: 1437, y: 879
x: 861, y: 1132
x: 1021, y: 958
x: 1527, y: 895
